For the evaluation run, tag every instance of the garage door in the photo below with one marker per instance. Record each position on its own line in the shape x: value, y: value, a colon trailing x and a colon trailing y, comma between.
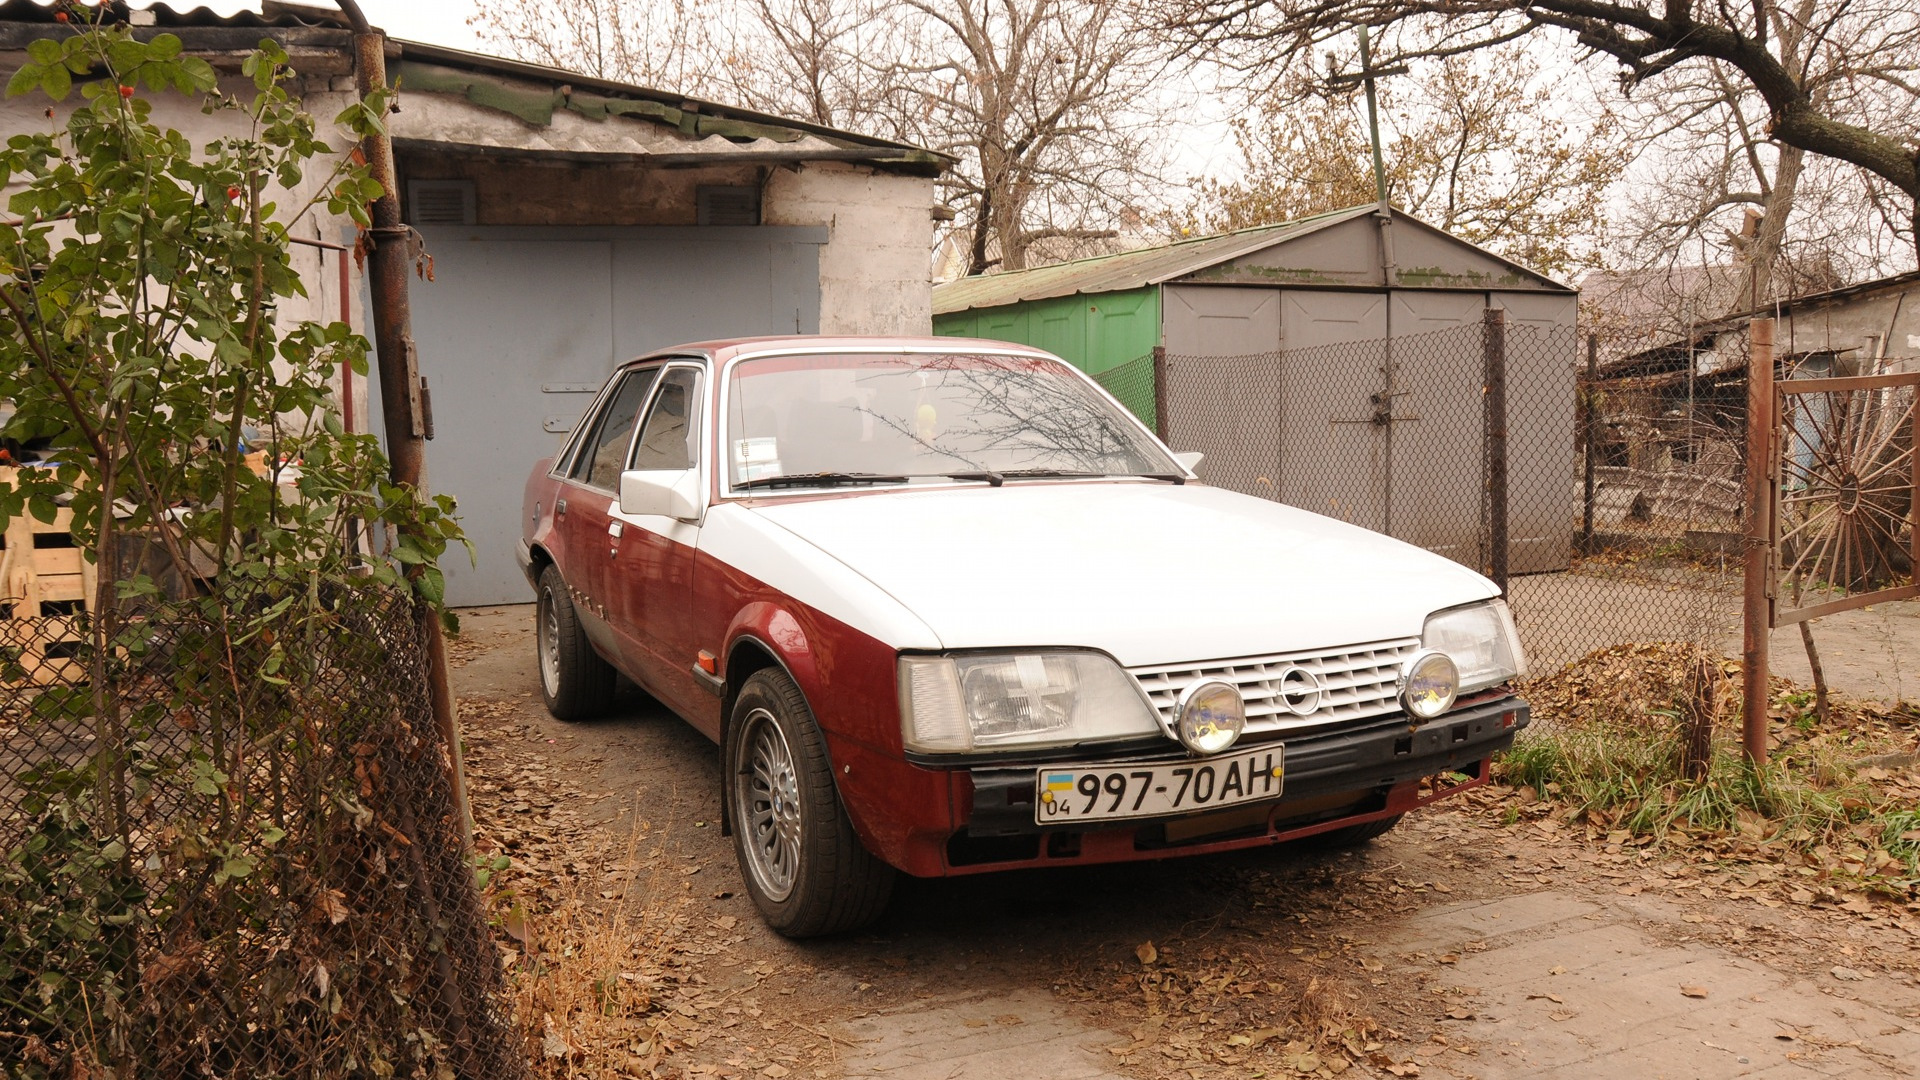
x: 520, y: 326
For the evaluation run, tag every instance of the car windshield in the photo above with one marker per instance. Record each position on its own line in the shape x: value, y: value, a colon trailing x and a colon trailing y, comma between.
x: 892, y: 418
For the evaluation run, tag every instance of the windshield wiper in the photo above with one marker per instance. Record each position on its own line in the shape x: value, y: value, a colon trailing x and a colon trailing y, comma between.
x: 1071, y: 474
x: 820, y: 479
x: 993, y: 478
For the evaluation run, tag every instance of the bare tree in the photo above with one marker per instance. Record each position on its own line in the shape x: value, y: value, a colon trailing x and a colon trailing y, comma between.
x: 1048, y: 106
x: 1476, y: 145
x: 1854, y: 106
x: 650, y: 42
x: 1717, y: 190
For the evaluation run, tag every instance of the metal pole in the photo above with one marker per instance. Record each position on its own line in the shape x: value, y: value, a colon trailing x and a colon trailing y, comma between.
x: 1373, y: 121
x: 1160, y: 391
x: 1592, y: 438
x: 1757, y: 616
x: 403, y: 409
x: 1494, y: 423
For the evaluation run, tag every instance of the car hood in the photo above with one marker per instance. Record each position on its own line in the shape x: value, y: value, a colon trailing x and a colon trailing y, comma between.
x: 1150, y: 573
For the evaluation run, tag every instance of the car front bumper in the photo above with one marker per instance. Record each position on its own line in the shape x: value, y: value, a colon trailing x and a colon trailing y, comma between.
x: 1367, y: 772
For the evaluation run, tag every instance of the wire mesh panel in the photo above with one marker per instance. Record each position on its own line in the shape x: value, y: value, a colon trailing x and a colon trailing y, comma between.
x: 229, y: 848
x: 1407, y: 437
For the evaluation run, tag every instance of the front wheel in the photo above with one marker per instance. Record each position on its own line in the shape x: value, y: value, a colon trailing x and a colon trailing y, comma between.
x: 804, y: 867
x: 575, y: 681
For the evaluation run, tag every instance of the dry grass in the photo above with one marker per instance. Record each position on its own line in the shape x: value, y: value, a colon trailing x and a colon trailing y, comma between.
x: 590, y: 988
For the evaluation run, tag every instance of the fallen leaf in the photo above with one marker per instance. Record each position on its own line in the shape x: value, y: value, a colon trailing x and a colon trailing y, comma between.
x: 1147, y: 953
x: 1560, y: 1016
x: 1694, y: 991
x: 774, y: 1071
x: 1847, y: 974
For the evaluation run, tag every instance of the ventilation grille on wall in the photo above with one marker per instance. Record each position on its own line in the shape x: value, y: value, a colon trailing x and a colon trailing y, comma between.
x: 440, y: 202
x: 727, y: 205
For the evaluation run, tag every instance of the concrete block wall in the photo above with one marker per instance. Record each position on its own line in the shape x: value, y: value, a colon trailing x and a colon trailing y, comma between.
x: 876, y: 273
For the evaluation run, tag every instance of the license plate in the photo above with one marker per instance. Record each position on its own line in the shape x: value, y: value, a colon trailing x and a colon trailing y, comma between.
x: 1066, y: 793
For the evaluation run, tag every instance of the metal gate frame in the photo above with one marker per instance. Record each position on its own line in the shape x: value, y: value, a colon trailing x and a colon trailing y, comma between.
x: 1768, y: 446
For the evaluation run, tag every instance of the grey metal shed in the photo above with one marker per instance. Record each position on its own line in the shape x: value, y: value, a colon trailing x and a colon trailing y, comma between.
x: 1333, y: 363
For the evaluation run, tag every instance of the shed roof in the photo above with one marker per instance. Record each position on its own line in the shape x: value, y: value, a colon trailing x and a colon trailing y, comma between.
x: 531, y: 93
x: 1127, y: 269
x: 1180, y: 260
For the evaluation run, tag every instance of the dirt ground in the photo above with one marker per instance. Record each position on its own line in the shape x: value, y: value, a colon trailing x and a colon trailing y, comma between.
x: 1462, y: 944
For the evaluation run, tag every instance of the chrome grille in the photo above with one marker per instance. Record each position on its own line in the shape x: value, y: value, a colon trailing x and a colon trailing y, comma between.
x: 1355, y: 682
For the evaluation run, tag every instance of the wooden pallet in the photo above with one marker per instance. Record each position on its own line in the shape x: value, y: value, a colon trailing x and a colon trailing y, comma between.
x: 45, y: 581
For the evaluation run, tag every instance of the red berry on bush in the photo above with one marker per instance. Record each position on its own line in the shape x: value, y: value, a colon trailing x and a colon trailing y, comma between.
x: 126, y: 91
x: 233, y: 193
x: 60, y: 16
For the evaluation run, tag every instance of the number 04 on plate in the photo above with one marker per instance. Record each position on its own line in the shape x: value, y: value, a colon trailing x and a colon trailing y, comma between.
x: 1066, y: 793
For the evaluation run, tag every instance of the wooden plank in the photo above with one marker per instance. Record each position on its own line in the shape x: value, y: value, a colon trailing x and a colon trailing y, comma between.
x: 1848, y: 382
x: 1845, y: 603
x: 53, y: 562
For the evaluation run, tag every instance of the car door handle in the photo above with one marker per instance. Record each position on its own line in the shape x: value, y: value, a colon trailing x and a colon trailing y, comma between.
x: 615, y: 528
x: 560, y: 506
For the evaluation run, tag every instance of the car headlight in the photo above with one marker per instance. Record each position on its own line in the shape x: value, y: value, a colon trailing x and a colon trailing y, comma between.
x: 967, y: 703
x: 1429, y: 684
x: 1210, y: 716
x: 1481, y: 642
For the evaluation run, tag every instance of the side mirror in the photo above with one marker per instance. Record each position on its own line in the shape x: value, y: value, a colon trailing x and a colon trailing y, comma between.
x: 673, y: 493
x: 1190, y: 460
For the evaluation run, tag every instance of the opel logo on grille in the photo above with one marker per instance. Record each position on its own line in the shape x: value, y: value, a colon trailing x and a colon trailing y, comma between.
x: 1300, y: 691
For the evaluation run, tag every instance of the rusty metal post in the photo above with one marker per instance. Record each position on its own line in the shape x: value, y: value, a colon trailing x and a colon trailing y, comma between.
x: 1160, y: 391
x: 1590, y: 436
x: 1758, y: 616
x: 402, y: 394
x: 1494, y: 428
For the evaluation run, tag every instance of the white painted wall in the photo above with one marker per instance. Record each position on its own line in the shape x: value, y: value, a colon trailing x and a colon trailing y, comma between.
x: 875, y: 270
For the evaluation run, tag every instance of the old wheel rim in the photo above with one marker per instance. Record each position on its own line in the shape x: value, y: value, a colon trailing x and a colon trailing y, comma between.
x: 767, y: 796
x: 547, y: 630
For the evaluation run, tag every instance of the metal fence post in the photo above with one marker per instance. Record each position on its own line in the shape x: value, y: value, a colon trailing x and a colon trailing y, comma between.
x: 1759, y: 540
x: 1160, y: 391
x: 1494, y: 423
x: 1591, y: 436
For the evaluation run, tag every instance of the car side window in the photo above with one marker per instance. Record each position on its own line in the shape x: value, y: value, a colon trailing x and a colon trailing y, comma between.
x: 599, y: 462
x: 671, y: 434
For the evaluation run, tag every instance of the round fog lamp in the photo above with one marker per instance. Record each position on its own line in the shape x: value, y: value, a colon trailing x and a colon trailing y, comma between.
x: 1428, y: 684
x: 1210, y: 716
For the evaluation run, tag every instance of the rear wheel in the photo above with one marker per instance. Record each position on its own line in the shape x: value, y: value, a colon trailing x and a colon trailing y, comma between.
x: 574, y: 680
x: 805, y: 869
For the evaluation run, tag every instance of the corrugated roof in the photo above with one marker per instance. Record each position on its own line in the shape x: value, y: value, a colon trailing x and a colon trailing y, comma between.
x: 164, y: 15
x: 320, y: 26
x: 1127, y: 269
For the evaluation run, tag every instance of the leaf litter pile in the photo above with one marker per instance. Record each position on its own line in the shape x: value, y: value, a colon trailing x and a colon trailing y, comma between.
x: 1833, y: 819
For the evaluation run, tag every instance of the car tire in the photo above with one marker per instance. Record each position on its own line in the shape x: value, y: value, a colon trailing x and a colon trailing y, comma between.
x: 803, y: 866
x: 576, y: 682
x: 1351, y: 836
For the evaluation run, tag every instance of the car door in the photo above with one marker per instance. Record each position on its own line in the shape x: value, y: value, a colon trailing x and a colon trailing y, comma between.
x: 584, y: 502
x: 651, y: 600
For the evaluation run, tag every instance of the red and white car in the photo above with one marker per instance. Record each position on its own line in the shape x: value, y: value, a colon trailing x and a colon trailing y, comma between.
x: 947, y: 607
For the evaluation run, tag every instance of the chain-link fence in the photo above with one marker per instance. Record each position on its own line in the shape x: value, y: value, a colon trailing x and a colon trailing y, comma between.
x: 1472, y: 442
x: 233, y: 851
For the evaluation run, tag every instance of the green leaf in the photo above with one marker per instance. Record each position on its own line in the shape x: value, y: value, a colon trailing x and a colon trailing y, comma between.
x: 29, y: 78
x: 57, y: 82
x: 164, y: 46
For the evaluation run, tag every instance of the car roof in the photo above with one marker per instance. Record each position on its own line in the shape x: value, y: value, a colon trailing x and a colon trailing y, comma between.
x: 724, y: 349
